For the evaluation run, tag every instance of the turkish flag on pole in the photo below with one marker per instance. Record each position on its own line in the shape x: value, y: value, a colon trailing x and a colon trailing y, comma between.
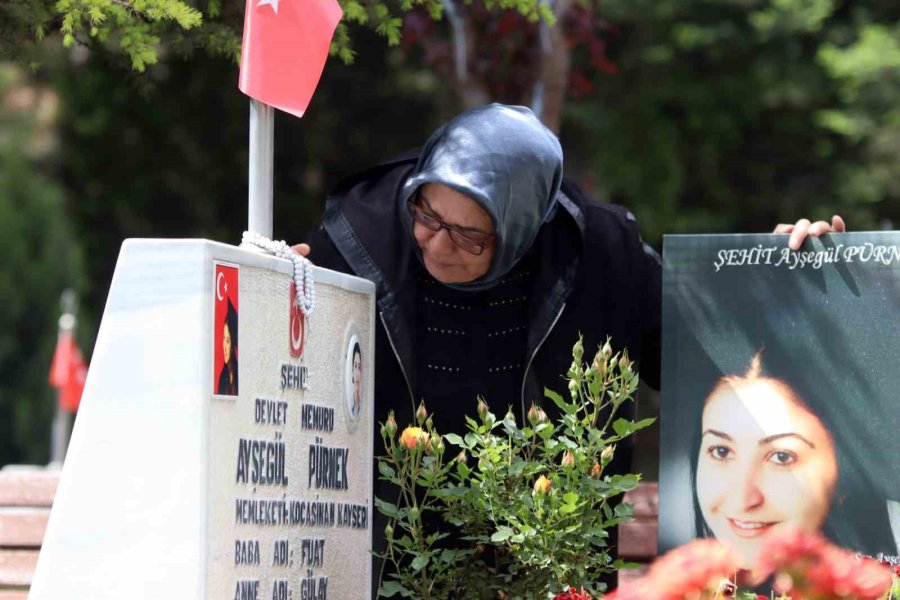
x: 68, y: 371
x: 284, y: 50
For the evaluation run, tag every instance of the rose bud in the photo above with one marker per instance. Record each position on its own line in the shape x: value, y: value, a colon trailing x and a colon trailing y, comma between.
x: 437, y: 443
x: 596, y: 470
x: 388, y: 531
x: 421, y: 414
x: 509, y: 415
x: 542, y: 416
x: 533, y: 415
x: 390, y: 426
x: 542, y: 485
x: 568, y: 459
x: 482, y: 410
x: 578, y: 350
x: 600, y: 365
x: 607, y: 453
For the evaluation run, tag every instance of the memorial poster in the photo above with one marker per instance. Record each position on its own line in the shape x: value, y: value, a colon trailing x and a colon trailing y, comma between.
x: 781, y: 391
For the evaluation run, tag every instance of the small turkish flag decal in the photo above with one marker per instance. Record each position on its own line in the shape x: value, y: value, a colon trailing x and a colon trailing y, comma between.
x: 297, y: 326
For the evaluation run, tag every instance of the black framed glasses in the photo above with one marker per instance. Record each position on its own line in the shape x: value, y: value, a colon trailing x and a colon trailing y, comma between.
x: 465, y: 241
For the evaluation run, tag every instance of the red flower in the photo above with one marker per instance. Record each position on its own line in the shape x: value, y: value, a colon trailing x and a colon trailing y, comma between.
x: 681, y: 573
x: 811, y: 566
x: 570, y: 594
x: 892, y: 566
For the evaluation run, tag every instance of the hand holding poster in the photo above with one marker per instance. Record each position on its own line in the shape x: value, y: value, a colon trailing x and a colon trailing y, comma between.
x: 780, y: 405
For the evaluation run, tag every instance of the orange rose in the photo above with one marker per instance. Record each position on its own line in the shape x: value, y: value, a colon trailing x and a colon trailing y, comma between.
x: 412, y: 437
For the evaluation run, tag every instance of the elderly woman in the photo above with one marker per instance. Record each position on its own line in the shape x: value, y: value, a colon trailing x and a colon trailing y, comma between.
x: 487, y: 267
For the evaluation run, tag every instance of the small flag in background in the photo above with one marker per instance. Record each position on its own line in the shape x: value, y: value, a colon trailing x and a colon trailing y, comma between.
x: 284, y: 50
x: 68, y: 371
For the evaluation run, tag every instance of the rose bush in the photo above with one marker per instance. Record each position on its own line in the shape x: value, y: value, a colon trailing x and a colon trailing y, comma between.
x: 521, y: 508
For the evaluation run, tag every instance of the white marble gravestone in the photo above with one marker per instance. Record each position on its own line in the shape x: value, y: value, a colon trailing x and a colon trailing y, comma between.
x: 172, y: 489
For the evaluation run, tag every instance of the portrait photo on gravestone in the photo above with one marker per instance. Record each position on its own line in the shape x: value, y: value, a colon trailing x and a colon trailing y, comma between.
x: 225, y: 328
x: 780, y: 406
x: 353, y: 380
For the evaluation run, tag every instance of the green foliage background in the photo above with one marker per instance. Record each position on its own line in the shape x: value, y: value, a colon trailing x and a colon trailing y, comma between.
x: 724, y: 116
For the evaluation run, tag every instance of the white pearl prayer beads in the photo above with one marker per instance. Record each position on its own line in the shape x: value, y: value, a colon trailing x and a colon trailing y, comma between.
x: 304, y: 285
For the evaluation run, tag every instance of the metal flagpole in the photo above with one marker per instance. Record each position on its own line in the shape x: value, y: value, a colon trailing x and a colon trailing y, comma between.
x: 262, y: 148
x: 62, y: 420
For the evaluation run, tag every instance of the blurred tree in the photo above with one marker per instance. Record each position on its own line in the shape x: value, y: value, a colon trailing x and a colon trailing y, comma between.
x: 732, y: 115
x: 136, y: 30
x: 504, y: 56
x: 41, y: 257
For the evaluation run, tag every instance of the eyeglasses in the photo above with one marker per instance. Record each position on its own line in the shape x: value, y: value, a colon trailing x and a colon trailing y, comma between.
x: 462, y: 240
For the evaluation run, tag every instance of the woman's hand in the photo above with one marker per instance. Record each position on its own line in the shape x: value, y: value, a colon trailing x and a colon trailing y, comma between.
x: 800, y: 230
x: 303, y: 249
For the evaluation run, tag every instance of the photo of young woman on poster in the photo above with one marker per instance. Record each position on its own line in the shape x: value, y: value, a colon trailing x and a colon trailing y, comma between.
x: 767, y: 459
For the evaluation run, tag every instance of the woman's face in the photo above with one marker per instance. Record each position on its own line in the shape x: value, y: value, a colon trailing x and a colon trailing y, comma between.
x: 765, y: 464
x: 226, y: 344
x: 444, y: 260
x: 357, y: 373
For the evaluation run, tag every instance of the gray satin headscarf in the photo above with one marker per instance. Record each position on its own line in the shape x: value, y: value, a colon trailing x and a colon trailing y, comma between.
x: 505, y: 159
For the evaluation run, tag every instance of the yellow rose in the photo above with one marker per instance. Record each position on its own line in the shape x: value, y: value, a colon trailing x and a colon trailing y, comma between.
x: 412, y: 437
x: 542, y: 485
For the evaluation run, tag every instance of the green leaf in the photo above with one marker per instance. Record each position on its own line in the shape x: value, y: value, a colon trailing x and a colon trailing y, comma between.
x: 387, y: 508
x: 419, y: 562
x: 354, y: 11
x: 643, y: 423
x: 624, y: 510
x: 502, y: 534
x: 456, y: 440
x: 623, y: 427
x: 558, y: 400
x: 387, y: 471
x: 392, y: 588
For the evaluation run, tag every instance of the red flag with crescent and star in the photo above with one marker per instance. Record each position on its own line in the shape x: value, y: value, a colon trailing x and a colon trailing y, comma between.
x: 284, y: 50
